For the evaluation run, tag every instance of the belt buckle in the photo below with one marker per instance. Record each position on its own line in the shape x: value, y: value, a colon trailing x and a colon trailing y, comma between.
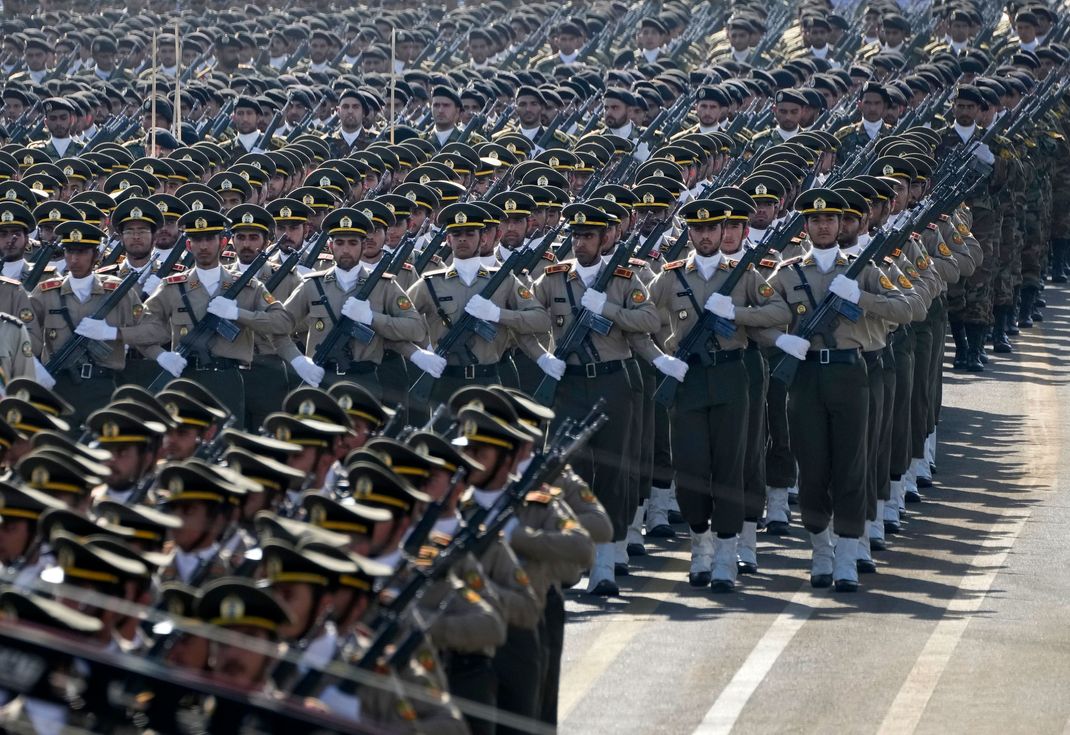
x: 469, y: 372
x: 591, y: 369
x: 86, y: 371
x: 338, y: 369
x: 713, y: 356
x: 824, y: 356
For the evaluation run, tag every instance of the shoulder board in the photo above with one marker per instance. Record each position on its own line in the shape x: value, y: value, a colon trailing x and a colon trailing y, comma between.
x: 315, y: 274
x: 388, y: 276
x: 850, y: 257
x: 180, y: 278
x: 945, y: 217
x: 897, y: 252
x: 13, y: 281
x: 768, y: 263
x: 673, y: 265
x: 726, y: 264
x: 637, y: 262
x: 229, y: 254
x: 623, y: 272
x: 406, y: 266
x: 889, y: 260
x: 796, y: 240
x: 549, y: 256
x: 439, y: 538
x: 49, y: 285
x: 932, y: 225
x: 108, y: 269
x: 441, y: 272
x: 792, y: 261
x: 325, y: 256
x: 110, y: 285
x: 538, y: 496
x: 10, y: 319
x: 558, y: 268
x: 843, y: 132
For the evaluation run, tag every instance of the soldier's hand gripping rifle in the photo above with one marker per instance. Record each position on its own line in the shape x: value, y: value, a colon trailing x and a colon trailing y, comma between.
x: 75, y: 349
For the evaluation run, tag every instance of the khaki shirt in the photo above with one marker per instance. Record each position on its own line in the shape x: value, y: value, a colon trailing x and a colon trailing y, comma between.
x: 628, y: 306
x: 549, y: 537
x: 522, y: 317
x: 166, y: 316
x: 16, y: 350
x: 51, y: 297
x: 15, y: 301
x: 393, y: 317
x: 879, y: 297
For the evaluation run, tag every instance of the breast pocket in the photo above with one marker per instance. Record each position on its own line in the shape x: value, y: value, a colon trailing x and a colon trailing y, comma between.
x: 319, y: 319
x: 181, y: 324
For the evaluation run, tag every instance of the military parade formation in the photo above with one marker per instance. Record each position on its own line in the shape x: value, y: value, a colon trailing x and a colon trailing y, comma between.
x: 340, y: 343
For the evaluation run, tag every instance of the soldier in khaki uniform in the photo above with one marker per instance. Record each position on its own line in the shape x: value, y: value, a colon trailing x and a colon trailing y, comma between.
x: 444, y: 295
x: 828, y: 402
x: 710, y: 413
x: 326, y: 297
x: 64, y: 307
x: 185, y: 300
x: 565, y: 290
x: 16, y: 223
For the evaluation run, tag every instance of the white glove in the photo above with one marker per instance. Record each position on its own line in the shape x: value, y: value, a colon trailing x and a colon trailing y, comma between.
x: 484, y: 309
x: 358, y: 310
x: 984, y: 154
x: 309, y: 371
x: 846, y: 288
x: 97, y: 329
x: 150, y: 284
x: 510, y: 526
x: 721, y: 305
x: 42, y: 376
x: 223, y: 308
x: 594, y: 301
x: 172, y: 362
x: 429, y: 362
x: 641, y: 153
x: 551, y: 365
x: 797, y: 347
x: 673, y: 367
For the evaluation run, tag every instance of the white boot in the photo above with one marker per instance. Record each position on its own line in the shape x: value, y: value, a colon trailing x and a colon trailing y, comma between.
x: 922, y: 473
x: 892, y: 524
x: 865, y: 562
x: 634, y: 539
x: 675, y: 516
x: 748, y: 548
x: 701, y: 559
x: 793, y: 494
x: 821, y: 559
x: 724, y: 564
x: 845, y: 573
x: 602, y: 581
x: 930, y: 451
x: 620, y: 558
x: 657, y: 513
x: 777, y: 512
x: 876, y: 529
x: 910, y: 486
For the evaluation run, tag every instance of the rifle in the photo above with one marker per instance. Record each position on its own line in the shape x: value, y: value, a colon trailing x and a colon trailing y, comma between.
x: 77, y: 346
x: 44, y: 257
x: 585, y: 321
x: 532, y: 256
x: 293, y: 58
x: 211, y: 325
x: 424, y: 259
x: 331, y: 348
x: 192, y: 68
x: 276, y: 278
x: 113, y: 254
x: 502, y: 121
x: 269, y: 131
x: 447, y: 52
x: 312, y: 254
x: 460, y: 330
x: 173, y: 256
x: 709, y: 324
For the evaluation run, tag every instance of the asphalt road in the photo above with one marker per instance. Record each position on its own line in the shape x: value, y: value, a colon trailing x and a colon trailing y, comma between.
x: 965, y: 627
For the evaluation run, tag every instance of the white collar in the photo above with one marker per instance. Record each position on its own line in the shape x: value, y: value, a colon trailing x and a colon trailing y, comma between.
x: 740, y: 55
x: 346, y: 278
x: 568, y: 58
x: 708, y: 264
x: 872, y: 128
x: 819, y: 53
x: 965, y: 133
x: 624, y: 131
x: 485, y: 498
x: 209, y: 278
x: 650, y: 54
x: 82, y: 287
x: 855, y: 249
x: 13, y: 269
x: 248, y: 140
x: 588, y: 273
x: 468, y: 268
x: 444, y: 135
x: 787, y: 134
x: 489, y: 261
x: 826, y: 258
x: 530, y: 133
x: 61, y: 144
x: 1031, y: 46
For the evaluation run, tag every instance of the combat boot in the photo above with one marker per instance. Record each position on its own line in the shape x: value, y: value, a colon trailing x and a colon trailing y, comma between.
x: 1058, y: 261
x: 1000, y: 344
x: 1010, y: 319
x: 1025, y: 307
x: 975, y: 337
x: 845, y: 572
x: 958, y: 333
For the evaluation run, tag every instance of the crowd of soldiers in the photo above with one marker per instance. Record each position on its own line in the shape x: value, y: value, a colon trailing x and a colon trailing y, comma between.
x: 336, y: 346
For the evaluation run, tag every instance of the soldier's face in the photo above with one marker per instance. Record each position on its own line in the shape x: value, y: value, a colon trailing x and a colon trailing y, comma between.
x: 873, y: 107
x: 708, y: 112
x: 126, y: 464
x: 244, y: 119
x: 764, y: 213
x: 301, y: 602
x: 514, y: 230
x: 739, y: 38
x: 568, y: 43
x: 965, y: 112
x: 198, y: 524
x: 823, y: 229
x: 347, y: 251
x: 205, y: 249
x: 464, y: 241
x: 819, y: 37
x: 788, y: 115
x: 350, y: 114
x: 58, y: 123
x: 959, y: 31
x: 292, y: 234
x: 237, y: 666
x: 1027, y: 32
x: 706, y: 237
x: 80, y: 261
x: 732, y: 236
x: 15, y: 537
x: 181, y: 443
x: 849, y: 229
x: 444, y: 111
x: 12, y: 243
x: 615, y: 113
x: 372, y: 245
x: 528, y: 111
x: 189, y: 652
x: 248, y: 244
x: 137, y: 238
x: 587, y: 244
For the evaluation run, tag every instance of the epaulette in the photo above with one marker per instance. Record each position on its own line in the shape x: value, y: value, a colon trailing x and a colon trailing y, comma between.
x: 549, y: 256
x: 180, y: 278
x: 388, y: 276
x: 636, y: 262
x: 673, y: 265
x: 437, y: 537
x: 407, y: 266
x: 315, y: 274
x: 889, y: 260
x: 1055, y: 136
x: 441, y: 272
x: 726, y: 264
x: 110, y: 284
x: 897, y: 252
x: 768, y: 263
x: 558, y: 268
x: 228, y: 254
x: 14, y: 281
x: 655, y: 255
x: 792, y: 261
x: 623, y: 272
x: 932, y: 226
x: 843, y: 132
x: 797, y: 240
x: 538, y: 496
x: 49, y: 285
x: 108, y: 269
x: 945, y: 217
x: 10, y: 319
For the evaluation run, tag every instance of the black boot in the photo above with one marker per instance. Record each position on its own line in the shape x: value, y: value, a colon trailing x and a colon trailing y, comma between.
x: 975, y: 337
x: 958, y: 333
x: 1010, y: 322
x: 1025, y: 307
x: 1058, y: 261
x: 1000, y: 344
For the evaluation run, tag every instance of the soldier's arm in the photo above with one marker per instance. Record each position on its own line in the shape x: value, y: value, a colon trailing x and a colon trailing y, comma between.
x: 523, y: 314
x: 469, y: 623
x: 764, y: 306
x: 22, y: 356
x: 23, y: 309
x: 943, y: 261
x: 154, y: 327
x: 559, y: 537
x: 401, y: 321
x: 880, y: 297
x: 268, y: 316
x: 637, y: 313
x: 297, y: 305
x: 919, y: 309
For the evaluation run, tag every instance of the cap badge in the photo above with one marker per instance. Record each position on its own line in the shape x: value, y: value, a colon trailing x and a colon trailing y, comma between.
x: 345, y: 402
x: 247, y: 219
x: 231, y: 608
x: 282, y: 433
x: 425, y: 178
x: 761, y: 190
x: 200, y: 223
x: 7, y: 217
x: 888, y: 170
x: 285, y: 212
x: 554, y: 162
x: 54, y: 214
x: 363, y: 486
x: 543, y: 181
x: 76, y: 235
x: 325, y: 181
x: 819, y: 203
x: 68, y: 170
x: 135, y: 213
x: 411, y: 196
x: 703, y: 214
x: 581, y: 218
x: 648, y: 198
x: 39, y: 476
x: 110, y: 429
x: 124, y: 185
x: 226, y: 185
x: 175, y: 485
x: 196, y: 206
x: 461, y: 218
x: 308, y: 199
x: 307, y: 408
x: 345, y: 222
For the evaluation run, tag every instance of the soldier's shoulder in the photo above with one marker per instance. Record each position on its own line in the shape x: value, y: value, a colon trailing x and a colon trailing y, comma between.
x: 177, y: 278
x: 11, y: 319
x: 10, y: 281
x: 798, y: 259
x: 51, y: 284
x: 622, y: 272
x: 674, y: 265
x: 558, y: 268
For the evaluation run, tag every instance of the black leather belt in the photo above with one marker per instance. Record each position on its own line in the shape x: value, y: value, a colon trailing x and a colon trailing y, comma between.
x: 594, y: 369
x: 355, y: 368
x: 718, y: 357
x: 88, y: 371
x: 833, y: 357
x: 217, y: 363
x: 470, y: 372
